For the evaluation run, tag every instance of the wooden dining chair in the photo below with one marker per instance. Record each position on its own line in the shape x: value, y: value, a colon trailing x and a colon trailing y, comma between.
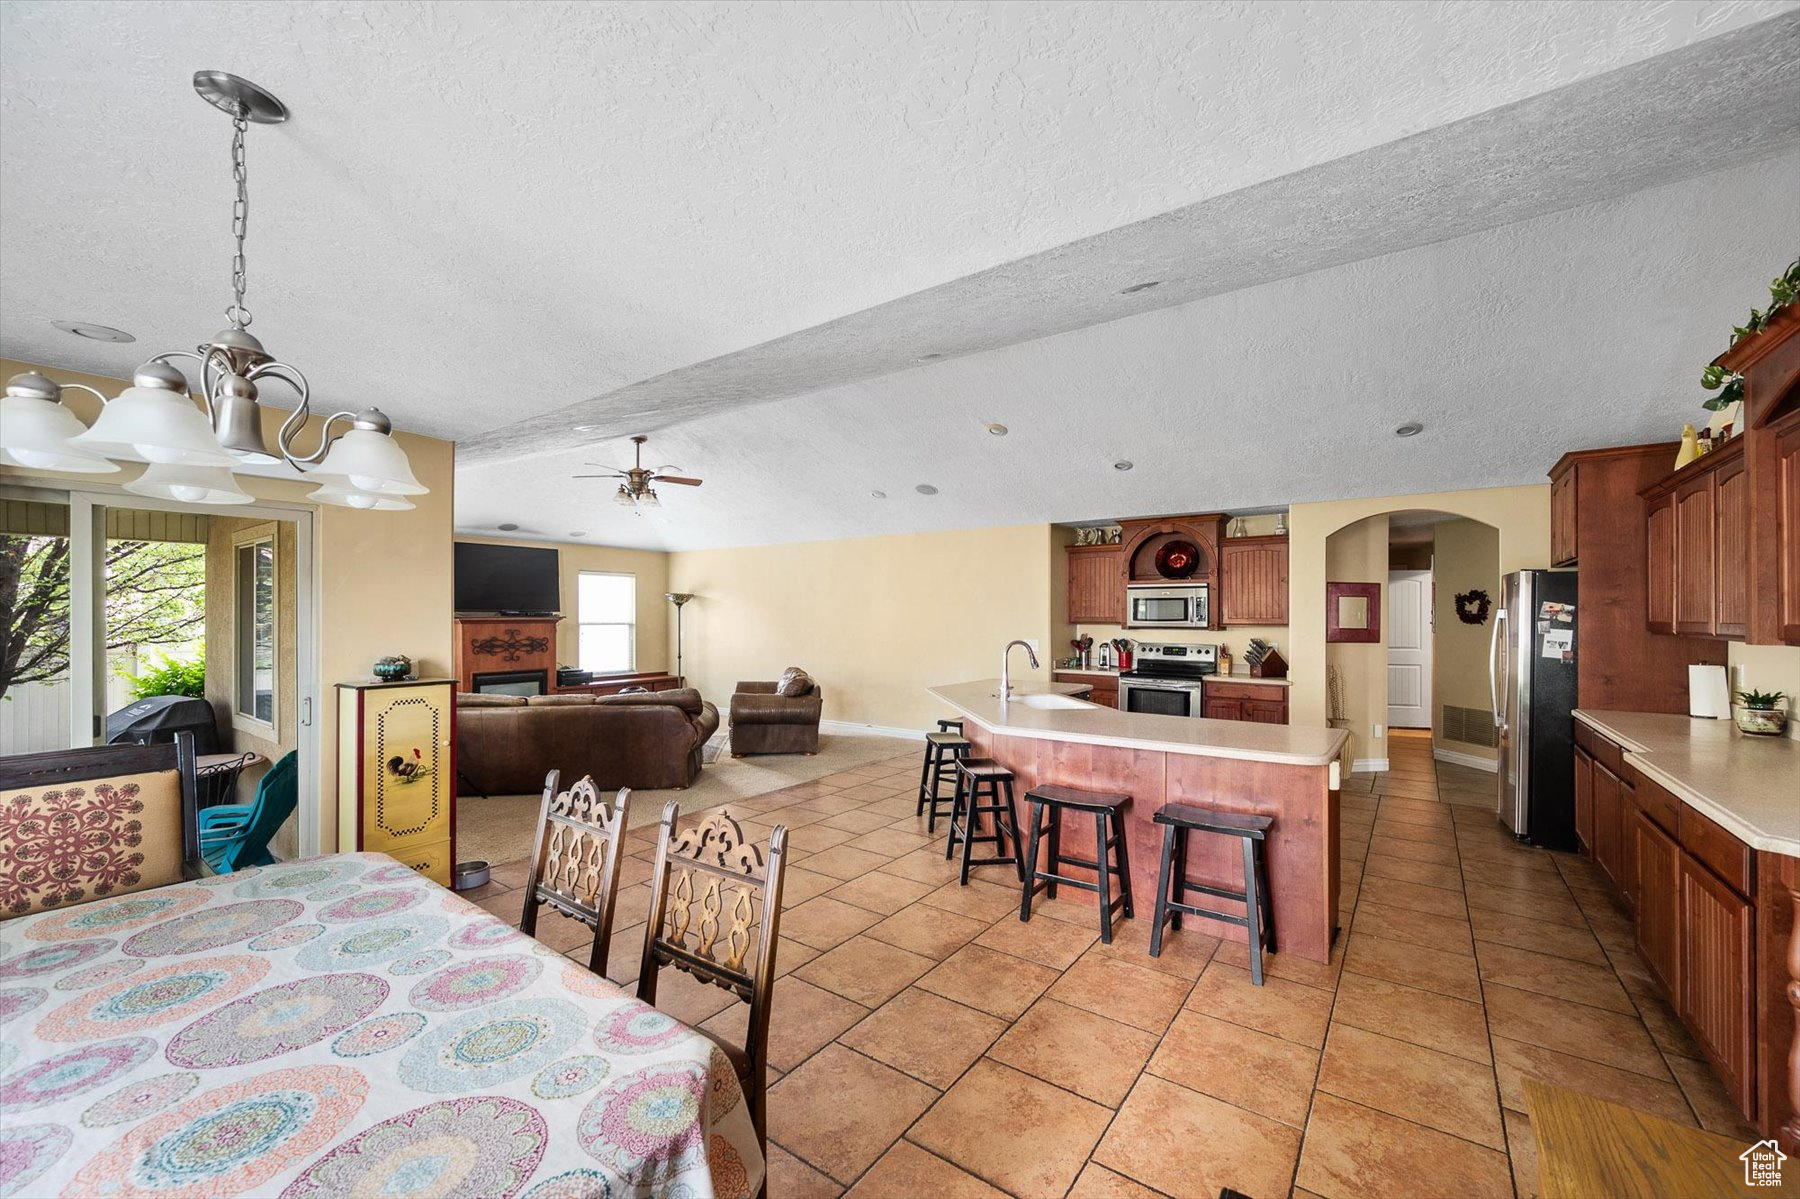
x: 575, y: 859
x: 715, y: 912
x: 78, y: 825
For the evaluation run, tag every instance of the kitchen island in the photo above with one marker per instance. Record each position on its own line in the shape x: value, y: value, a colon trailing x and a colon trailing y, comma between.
x: 1045, y: 734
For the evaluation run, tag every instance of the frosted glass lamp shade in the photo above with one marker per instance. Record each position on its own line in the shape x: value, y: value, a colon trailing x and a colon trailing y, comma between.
x: 370, y: 462
x: 153, y: 424
x: 39, y: 433
x: 189, y: 484
x: 365, y: 500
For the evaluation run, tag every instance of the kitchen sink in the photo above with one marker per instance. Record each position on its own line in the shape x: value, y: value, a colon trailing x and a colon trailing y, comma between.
x: 1049, y: 701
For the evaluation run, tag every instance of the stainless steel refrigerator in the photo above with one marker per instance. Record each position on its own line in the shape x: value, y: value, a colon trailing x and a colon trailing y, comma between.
x: 1531, y: 677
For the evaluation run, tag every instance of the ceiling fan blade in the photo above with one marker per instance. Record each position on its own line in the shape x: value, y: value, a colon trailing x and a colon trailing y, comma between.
x: 677, y: 479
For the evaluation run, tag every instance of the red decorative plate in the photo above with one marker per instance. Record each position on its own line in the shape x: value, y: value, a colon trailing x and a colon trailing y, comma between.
x: 1177, y: 559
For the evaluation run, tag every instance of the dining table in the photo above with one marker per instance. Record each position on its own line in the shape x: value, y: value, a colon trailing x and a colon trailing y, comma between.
x: 341, y: 1026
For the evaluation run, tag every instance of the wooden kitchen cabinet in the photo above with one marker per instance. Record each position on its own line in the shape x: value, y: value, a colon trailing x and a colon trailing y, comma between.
x: 1697, y: 524
x: 1695, y: 557
x: 1608, y: 832
x: 1717, y: 993
x: 1786, y: 479
x: 1731, y: 546
x: 1104, y: 689
x: 1096, y: 584
x: 1584, y: 801
x: 1628, y: 843
x: 1263, y: 703
x: 1253, y: 581
x: 1658, y: 901
x: 1563, y: 512
x: 1659, y: 563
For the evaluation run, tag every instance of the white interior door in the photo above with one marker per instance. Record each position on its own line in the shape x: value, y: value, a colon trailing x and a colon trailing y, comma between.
x: 1409, y: 649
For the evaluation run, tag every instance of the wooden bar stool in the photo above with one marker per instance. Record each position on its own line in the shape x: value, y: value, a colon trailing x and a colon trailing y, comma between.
x: 1179, y: 819
x: 1047, y: 805
x: 950, y: 726
x: 979, y: 782
x: 942, y: 751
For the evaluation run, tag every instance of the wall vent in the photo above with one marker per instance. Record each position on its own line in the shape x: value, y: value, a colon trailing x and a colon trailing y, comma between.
x: 1471, y: 726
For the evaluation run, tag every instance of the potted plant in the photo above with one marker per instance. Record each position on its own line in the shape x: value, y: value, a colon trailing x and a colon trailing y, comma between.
x: 1761, y: 712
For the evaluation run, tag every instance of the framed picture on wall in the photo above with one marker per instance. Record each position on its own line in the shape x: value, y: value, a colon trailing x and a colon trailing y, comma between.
x: 1352, y: 613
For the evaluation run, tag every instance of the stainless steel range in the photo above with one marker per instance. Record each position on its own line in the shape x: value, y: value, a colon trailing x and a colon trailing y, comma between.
x: 1166, y: 680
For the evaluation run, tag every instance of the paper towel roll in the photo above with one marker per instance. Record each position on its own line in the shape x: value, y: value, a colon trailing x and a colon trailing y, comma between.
x: 1708, y: 693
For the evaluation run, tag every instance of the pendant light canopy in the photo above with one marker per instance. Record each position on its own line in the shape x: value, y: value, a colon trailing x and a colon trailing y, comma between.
x: 192, y: 452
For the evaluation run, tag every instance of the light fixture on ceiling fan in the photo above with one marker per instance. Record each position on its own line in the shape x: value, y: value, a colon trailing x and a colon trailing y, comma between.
x: 637, y: 490
x: 192, y: 453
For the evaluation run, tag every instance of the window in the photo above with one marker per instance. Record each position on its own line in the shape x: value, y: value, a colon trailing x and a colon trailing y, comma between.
x: 256, y: 650
x: 606, y: 607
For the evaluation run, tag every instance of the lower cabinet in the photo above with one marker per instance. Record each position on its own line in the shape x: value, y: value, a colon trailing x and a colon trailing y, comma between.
x: 1105, y: 688
x: 1584, y: 801
x: 1263, y: 703
x: 1716, y: 998
x: 1658, y: 901
x: 1609, y: 827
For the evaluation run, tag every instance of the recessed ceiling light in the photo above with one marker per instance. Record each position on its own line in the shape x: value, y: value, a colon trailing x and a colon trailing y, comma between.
x: 1122, y: 464
x: 929, y: 357
x: 509, y: 527
x: 579, y: 533
x: 880, y: 495
x: 1137, y: 287
x: 586, y: 428
x: 925, y: 489
x: 92, y: 331
x: 996, y: 428
x: 1411, y: 428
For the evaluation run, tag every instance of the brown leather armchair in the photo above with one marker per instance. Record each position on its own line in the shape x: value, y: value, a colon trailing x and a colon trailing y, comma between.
x: 505, y: 744
x: 763, y: 722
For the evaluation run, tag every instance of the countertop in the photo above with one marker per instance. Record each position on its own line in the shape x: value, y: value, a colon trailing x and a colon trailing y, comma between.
x: 1091, y: 724
x: 1749, y: 785
x: 1211, y: 678
x: 1094, y: 670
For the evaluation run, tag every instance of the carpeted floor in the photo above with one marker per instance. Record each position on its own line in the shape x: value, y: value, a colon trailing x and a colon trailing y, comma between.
x: 499, y: 828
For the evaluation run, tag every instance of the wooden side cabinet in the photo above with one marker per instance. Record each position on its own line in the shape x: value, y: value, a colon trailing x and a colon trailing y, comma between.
x: 1253, y: 581
x: 1658, y: 901
x: 1584, y: 801
x: 1096, y: 584
x: 1261, y: 703
x: 396, y: 773
x: 1717, y: 993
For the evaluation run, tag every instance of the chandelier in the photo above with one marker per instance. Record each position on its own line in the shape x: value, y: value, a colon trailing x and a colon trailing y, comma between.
x: 190, y: 453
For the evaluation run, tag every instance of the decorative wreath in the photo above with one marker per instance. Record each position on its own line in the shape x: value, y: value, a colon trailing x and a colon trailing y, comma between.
x: 1472, y: 607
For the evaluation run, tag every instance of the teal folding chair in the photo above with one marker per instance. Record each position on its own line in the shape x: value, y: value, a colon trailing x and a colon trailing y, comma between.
x: 236, y: 836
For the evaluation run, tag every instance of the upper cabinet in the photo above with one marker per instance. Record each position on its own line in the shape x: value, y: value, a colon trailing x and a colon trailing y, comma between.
x: 1562, y: 518
x: 1253, y: 586
x: 1096, y: 584
x: 1723, y: 533
x: 1144, y: 540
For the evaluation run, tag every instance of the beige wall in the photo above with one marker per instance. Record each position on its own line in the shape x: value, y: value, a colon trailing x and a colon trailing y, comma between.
x: 876, y: 620
x: 1520, y: 514
x: 382, y: 582
x: 1358, y: 553
x: 655, y: 619
x: 1769, y: 668
x: 1466, y: 557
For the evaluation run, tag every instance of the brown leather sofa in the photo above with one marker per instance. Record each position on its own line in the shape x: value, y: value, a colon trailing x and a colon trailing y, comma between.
x: 505, y: 744
x: 763, y: 722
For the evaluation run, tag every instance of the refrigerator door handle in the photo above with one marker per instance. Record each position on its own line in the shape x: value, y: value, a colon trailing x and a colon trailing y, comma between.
x: 1494, y: 666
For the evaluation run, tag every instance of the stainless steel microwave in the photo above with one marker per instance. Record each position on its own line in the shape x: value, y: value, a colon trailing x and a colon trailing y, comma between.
x: 1167, y: 606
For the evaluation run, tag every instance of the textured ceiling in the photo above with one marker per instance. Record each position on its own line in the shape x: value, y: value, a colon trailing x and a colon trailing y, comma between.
x: 497, y: 221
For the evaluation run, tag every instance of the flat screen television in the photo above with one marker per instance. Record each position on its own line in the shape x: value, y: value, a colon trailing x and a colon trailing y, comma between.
x: 506, y: 578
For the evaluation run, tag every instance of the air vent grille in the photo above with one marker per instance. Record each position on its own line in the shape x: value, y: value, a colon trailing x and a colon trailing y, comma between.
x: 1471, y: 726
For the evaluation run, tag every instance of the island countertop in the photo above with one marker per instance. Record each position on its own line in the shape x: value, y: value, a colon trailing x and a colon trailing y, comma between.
x: 1745, y: 784
x: 1091, y: 724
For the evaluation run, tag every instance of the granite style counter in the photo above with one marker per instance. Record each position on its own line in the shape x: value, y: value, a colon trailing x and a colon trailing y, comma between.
x: 1748, y: 785
x: 1286, y: 772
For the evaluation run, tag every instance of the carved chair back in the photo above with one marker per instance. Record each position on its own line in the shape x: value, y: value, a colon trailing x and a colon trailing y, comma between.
x: 575, y: 862
x: 78, y: 825
x: 715, y: 912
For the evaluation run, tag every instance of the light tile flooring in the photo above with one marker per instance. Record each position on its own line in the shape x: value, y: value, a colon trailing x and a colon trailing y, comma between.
x: 927, y: 1043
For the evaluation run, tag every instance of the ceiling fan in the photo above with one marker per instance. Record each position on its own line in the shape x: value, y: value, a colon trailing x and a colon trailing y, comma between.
x: 636, y: 490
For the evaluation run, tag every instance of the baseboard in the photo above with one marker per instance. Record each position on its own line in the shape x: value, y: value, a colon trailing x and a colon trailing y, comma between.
x: 1461, y: 759
x: 1369, y: 765
x: 870, y: 730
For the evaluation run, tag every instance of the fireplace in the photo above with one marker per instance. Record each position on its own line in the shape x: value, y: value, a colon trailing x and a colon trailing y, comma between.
x: 512, y: 682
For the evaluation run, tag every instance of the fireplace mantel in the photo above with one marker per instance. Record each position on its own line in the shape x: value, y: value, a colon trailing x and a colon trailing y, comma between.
x: 505, y: 644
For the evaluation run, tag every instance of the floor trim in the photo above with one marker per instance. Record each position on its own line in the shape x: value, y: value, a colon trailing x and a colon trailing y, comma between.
x: 1462, y: 759
x: 1369, y: 765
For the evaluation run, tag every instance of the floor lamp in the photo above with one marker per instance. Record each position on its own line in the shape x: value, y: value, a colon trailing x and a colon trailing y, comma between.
x: 678, y: 598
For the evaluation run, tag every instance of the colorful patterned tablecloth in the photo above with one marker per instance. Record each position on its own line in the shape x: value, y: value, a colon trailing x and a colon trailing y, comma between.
x: 341, y: 1027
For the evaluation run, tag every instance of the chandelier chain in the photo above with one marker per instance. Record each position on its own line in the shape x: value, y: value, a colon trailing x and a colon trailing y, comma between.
x: 240, y: 224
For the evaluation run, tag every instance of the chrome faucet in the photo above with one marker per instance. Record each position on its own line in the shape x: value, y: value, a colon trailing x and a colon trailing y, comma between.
x: 1006, y: 666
